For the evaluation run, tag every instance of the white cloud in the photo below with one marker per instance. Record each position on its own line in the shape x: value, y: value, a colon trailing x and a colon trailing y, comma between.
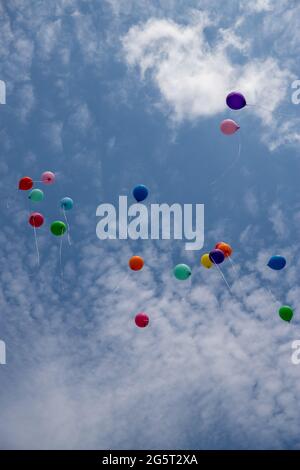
x: 53, y: 134
x: 278, y: 220
x: 88, y: 378
x: 194, y: 77
x: 251, y: 203
x: 258, y: 6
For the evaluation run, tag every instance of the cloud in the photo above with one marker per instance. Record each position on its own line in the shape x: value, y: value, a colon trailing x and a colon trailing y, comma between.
x: 251, y: 203
x: 258, y: 6
x: 93, y: 380
x: 193, y: 77
x: 53, y: 134
x: 213, y: 369
x: 278, y: 220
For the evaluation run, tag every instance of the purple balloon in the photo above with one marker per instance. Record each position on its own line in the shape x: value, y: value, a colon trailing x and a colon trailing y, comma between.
x: 236, y: 100
x: 216, y: 256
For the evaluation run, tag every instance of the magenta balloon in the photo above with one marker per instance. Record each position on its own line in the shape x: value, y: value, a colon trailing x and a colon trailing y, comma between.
x: 141, y: 320
x: 48, y: 177
x: 229, y: 127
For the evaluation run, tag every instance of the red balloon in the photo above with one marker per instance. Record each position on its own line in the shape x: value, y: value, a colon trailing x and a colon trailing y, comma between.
x: 141, y: 320
x: 225, y: 247
x: 36, y: 219
x: 136, y: 263
x: 25, y: 183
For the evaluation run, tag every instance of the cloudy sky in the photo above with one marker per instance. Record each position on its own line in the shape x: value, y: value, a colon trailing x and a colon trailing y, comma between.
x: 108, y: 94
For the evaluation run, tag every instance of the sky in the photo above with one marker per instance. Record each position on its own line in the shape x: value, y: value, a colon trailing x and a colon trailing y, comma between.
x: 109, y: 94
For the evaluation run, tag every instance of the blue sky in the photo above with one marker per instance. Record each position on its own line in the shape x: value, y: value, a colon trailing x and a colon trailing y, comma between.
x: 114, y: 93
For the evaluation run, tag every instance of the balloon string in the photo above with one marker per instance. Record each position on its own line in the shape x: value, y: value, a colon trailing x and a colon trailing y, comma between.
x: 68, y: 234
x: 188, y: 291
x: 233, y: 163
x: 36, y: 245
x: 121, y: 282
x: 273, y: 296
x: 222, y: 276
x: 60, y: 261
x: 232, y: 264
x: 278, y: 113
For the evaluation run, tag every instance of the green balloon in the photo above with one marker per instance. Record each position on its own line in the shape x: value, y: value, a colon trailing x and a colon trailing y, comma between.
x: 286, y: 313
x: 36, y: 195
x: 58, y: 228
x: 182, y: 272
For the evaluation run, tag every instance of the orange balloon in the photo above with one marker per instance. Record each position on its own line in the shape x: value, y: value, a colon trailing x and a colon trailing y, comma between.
x: 227, y: 250
x: 136, y: 263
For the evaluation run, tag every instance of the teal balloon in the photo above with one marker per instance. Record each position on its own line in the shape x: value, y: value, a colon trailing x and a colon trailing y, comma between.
x: 66, y: 203
x: 182, y: 272
x: 36, y: 195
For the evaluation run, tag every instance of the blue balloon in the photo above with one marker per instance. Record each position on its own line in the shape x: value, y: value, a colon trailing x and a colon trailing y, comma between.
x: 216, y: 256
x: 277, y: 262
x: 140, y: 193
x: 66, y: 203
x: 236, y: 100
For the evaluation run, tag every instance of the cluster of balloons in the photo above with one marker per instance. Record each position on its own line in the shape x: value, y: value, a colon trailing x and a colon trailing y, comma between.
x: 36, y: 219
x: 216, y: 256
x: 221, y: 251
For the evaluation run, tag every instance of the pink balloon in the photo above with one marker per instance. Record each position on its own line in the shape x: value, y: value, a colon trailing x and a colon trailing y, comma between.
x: 228, y: 126
x: 141, y: 320
x: 48, y: 177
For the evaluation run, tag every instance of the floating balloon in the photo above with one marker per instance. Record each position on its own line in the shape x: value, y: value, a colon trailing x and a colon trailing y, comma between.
x: 206, y: 261
x: 140, y: 193
x: 25, y: 183
x: 66, y: 203
x: 216, y: 256
x: 141, y: 320
x: 182, y: 272
x: 136, y: 263
x: 229, y: 127
x: 58, y: 228
x: 48, y: 177
x: 277, y: 262
x: 36, y: 195
x: 286, y: 313
x: 236, y: 100
x: 225, y: 247
x: 36, y: 219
